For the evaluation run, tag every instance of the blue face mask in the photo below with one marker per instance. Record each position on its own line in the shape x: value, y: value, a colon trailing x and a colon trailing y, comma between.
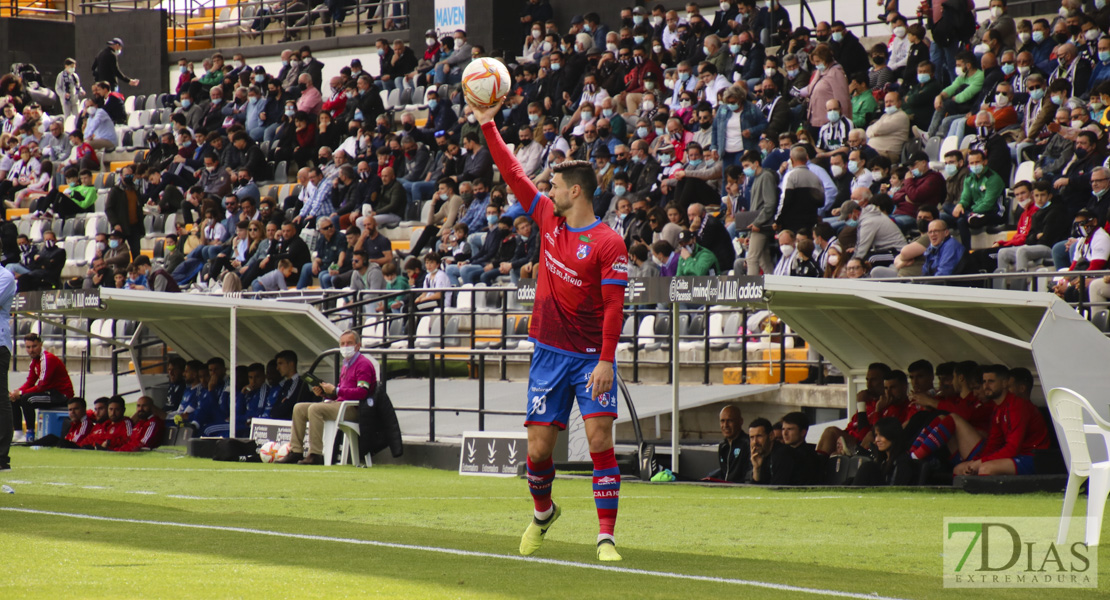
x: 607, y: 112
x: 749, y: 172
x: 259, y: 78
x: 556, y: 66
x: 183, y: 69
x: 838, y: 36
x: 1037, y: 94
x: 851, y: 222
x: 659, y: 131
x: 693, y: 163
x: 1038, y: 36
x: 916, y: 172
x: 638, y: 39
x: 113, y: 243
x: 733, y: 107
x: 923, y: 77
x: 833, y: 115
x: 1103, y: 55
x: 684, y: 77
x: 549, y: 136
x: 641, y: 132
x: 432, y: 104
x: 853, y: 166
x: 619, y: 190
x: 1008, y: 69
x: 505, y: 112
x: 491, y: 219
x: 976, y: 169
x: 186, y: 103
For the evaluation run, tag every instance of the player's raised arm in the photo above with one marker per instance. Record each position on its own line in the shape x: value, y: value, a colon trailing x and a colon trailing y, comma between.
x: 510, y: 168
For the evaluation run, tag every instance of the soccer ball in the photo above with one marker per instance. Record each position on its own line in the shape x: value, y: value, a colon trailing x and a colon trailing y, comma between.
x: 268, y: 452
x: 485, y: 82
x: 282, y: 451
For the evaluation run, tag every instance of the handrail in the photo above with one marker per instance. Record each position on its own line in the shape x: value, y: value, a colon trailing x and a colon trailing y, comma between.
x: 183, y: 19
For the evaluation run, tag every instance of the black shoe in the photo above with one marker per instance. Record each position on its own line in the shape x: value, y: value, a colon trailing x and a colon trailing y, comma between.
x: 312, y: 459
x: 291, y: 459
x: 6, y: 466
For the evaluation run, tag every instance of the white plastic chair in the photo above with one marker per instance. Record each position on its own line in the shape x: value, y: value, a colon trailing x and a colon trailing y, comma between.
x: 349, y: 427
x: 1068, y: 409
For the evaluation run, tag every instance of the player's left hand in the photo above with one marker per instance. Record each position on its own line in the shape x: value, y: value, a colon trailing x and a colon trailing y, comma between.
x: 601, y: 380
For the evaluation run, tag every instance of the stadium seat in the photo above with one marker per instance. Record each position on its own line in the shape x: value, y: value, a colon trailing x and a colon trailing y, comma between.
x: 1101, y: 320
x: 385, y: 98
x: 950, y: 143
x: 152, y: 102
x: 405, y: 96
x: 932, y: 148
x: 394, y: 99
x: 645, y: 332
x: 281, y: 172
x: 129, y: 104
x: 1070, y: 411
x: 1024, y: 171
x: 965, y: 143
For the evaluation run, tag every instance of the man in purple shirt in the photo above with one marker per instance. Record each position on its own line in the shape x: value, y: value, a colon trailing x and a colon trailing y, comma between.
x: 665, y: 257
x: 357, y: 381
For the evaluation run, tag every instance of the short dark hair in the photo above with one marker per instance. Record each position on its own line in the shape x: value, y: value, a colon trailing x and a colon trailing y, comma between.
x: 79, y: 401
x: 287, y: 356
x: 1001, y: 370
x: 885, y: 368
x: 920, y: 365
x: 1022, y: 376
x: 100, y: 400
x: 577, y: 172
x: 761, y: 422
x: 946, y: 369
x: 798, y: 419
x: 969, y: 370
x: 32, y: 337
x: 117, y: 400
x: 896, y: 375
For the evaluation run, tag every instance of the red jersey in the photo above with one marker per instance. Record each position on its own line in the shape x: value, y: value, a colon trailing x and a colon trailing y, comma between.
x: 859, y: 431
x: 971, y: 409
x: 80, y: 430
x: 579, y: 301
x: 146, y: 433
x: 1017, y: 429
x: 47, y: 373
x: 115, y: 434
x: 96, y: 435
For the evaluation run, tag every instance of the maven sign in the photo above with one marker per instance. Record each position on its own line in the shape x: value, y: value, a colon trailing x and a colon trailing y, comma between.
x: 492, y: 453
x: 450, y: 16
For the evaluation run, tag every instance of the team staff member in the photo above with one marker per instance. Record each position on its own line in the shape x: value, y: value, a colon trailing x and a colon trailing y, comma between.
x: 357, y: 382
x: 47, y: 386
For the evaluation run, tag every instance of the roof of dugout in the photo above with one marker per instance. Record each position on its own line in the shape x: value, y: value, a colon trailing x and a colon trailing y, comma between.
x: 855, y: 322
x: 198, y: 326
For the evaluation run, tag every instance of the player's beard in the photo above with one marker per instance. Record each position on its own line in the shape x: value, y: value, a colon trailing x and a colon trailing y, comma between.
x: 560, y: 210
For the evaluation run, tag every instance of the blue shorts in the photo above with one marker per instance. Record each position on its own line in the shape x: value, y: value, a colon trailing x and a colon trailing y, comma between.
x: 556, y: 379
x: 1023, y: 464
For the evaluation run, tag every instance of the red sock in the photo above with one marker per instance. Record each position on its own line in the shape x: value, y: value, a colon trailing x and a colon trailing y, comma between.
x: 540, y: 476
x: 607, y: 489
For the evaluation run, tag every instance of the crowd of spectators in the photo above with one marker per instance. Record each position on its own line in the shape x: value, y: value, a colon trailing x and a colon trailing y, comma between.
x: 922, y: 428
x: 716, y: 149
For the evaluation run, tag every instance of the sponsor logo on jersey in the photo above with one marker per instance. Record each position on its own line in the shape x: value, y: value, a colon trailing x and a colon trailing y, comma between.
x: 583, y: 251
x: 585, y: 238
x: 620, y: 265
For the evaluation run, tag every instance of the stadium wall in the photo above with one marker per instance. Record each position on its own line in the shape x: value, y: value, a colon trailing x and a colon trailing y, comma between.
x: 21, y: 41
x: 144, y: 46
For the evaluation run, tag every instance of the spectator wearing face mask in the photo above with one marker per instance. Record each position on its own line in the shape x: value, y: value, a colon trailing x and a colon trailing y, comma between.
x: 125, y: 212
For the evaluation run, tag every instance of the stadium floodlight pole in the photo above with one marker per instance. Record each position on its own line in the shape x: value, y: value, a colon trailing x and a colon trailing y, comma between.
x: 233, y: 360
x: 674, y: 389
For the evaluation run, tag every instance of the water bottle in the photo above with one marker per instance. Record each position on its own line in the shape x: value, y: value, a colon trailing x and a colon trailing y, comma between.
x: 7, y: 489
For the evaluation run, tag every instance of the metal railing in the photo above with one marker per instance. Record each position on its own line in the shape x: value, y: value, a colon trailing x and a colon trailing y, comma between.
x: 39, y: 9
x: 358, y: 311
x: 806, y: 9
x: 198, y: 25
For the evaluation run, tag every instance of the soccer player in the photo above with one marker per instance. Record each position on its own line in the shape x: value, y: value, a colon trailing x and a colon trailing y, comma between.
x: 575, y: 325
x: 147, y: 426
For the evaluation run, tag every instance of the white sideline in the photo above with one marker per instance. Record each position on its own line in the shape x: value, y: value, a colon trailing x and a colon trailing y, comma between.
x: 468, y: 553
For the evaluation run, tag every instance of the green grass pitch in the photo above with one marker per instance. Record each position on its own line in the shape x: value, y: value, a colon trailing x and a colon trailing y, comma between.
x: 884, y: 542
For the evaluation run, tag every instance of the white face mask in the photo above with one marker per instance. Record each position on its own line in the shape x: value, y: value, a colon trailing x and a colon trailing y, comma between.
x: 996, y: 11
x: 347, y: 352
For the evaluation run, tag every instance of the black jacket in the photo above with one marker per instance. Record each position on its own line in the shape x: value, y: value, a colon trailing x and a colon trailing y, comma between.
x: 715, y: 237
x: 850, y: 53
x: 106, y: 68
x: 116, y: 209
x: 1053, y: 222
x: 378, y: 426
x: 283, y: 407
x: 778, y: 468
x: 735, y: 459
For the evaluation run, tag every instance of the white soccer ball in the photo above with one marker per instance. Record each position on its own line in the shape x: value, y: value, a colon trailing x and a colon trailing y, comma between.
x: 485, y: 82
x: 268, y: 452
x: 282, y: 451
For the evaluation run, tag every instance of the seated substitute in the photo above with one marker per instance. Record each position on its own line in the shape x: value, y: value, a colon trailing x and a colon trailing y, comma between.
x: 357, y: 382
x: 1017, y: 429
x: 47, y: 386
x: 116, y: 431
x: 148, y: 425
